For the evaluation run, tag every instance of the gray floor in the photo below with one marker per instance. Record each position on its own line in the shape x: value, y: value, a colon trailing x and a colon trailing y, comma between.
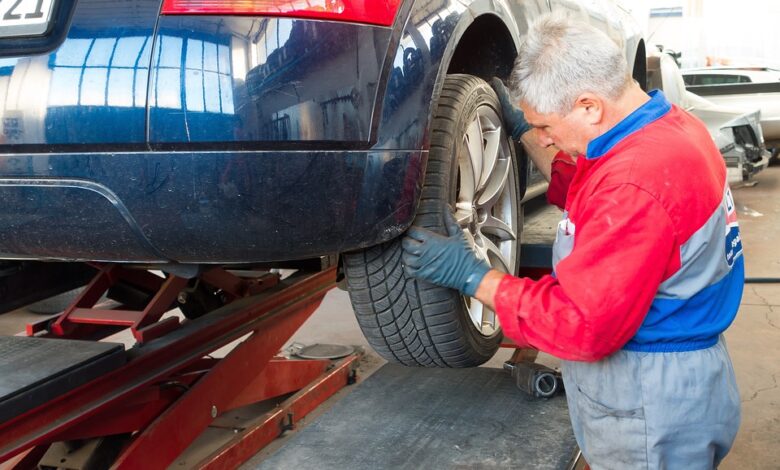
x: 753, y: 339
x: 412, y: 418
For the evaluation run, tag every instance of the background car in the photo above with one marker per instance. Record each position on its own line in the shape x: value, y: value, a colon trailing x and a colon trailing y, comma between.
x: 730, y: 75
x: 243, y: 133
x: 736, y: 132
x: 743, y: 88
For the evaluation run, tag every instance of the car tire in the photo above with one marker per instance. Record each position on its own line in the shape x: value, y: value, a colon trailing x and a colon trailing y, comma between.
x: 416, y: 323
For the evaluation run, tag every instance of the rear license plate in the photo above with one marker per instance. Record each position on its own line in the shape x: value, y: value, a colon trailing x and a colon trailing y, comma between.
x: 25, y: 17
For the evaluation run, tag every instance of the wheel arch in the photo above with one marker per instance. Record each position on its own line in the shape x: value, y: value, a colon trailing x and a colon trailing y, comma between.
x: 493, y: 23
x: 494, y: 56
x: 403, y: 113
x: 461, y: 25
x: 639, y: 72
x: 484, y: 44
x: 403, y: 117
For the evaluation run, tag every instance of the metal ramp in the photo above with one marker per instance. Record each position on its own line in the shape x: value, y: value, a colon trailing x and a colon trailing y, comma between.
x: 36, y: 370
x: 66, y: 402
x: 412, y: 418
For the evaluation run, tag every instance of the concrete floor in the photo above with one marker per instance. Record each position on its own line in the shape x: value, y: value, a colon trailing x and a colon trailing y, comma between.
x: 753, y: 339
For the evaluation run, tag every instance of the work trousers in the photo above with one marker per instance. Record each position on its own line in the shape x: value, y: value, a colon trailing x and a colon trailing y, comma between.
x: 646, y: 410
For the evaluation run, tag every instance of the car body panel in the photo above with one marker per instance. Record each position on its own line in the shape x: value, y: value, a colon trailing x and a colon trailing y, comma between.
x: 90, y: 89
x: 264, y: 80
x: 745, y: 155
x: 716, y: 116
x: 730, y: 75
x: 107, y: 206
x: 742, y: 88
x: 743, y: 160
x: 204, y: 139
x: 765, y: 97
x: 421, y: 58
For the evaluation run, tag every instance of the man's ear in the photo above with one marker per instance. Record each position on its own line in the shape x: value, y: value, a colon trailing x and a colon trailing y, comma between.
x: 590, y: 107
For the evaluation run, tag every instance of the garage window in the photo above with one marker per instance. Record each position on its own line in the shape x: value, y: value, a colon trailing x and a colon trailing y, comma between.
x: 100, y: 72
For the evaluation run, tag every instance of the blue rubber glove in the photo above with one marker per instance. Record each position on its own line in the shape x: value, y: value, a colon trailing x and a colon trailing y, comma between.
x: 446, y: 260
x: 513, y: 115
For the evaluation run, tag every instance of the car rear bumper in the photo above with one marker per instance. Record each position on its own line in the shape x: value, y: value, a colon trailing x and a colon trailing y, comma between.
x: 203, y: 206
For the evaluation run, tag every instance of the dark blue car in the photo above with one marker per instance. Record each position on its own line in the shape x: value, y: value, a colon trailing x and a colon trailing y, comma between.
x: 174, y: 133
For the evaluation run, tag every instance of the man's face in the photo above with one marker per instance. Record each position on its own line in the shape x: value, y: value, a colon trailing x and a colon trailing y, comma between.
x: 570, y: 132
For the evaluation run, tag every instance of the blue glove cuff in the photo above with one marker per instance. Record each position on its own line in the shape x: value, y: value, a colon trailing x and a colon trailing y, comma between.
x: 520, y: 129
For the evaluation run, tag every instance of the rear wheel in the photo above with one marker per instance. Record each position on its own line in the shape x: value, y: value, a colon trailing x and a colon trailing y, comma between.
x: 472, y: 171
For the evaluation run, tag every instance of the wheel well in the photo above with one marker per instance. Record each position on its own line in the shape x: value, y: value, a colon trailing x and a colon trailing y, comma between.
x: 486, y: 50
x: 640, y: 65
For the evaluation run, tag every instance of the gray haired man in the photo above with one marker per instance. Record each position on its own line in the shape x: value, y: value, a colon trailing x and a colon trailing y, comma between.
x: 648, y: 266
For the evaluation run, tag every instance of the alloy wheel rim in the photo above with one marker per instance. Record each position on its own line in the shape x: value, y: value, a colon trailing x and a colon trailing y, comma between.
x: 486, y: 203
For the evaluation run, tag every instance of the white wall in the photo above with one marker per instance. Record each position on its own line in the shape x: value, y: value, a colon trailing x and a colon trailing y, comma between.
x: 744, y: 32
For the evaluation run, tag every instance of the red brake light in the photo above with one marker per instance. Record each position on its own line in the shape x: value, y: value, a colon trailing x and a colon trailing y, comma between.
x: 379, y: 12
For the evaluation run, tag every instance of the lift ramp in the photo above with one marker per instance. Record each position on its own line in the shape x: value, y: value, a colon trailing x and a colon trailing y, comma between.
x: 34, y: 371
x: 412, y: 418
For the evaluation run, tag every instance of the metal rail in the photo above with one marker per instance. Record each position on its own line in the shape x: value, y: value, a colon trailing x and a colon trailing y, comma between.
x: 169, y: 390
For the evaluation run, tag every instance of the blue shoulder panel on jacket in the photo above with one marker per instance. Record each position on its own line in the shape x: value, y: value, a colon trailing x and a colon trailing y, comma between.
x: 642, y: 116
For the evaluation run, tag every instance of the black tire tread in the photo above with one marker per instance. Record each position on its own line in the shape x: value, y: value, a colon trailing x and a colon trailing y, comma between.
x: 408, y: 321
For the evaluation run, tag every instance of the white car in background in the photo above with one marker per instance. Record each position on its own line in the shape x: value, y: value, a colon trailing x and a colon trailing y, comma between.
x: 743, y: 88
x: 736, y: 131
x: 730, y: 75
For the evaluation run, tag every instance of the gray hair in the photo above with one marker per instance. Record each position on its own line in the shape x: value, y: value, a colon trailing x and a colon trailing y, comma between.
x: 560, y: 58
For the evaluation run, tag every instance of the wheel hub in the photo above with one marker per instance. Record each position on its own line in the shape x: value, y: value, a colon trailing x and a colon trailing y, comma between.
x: 487, y: 203
x: 474, y: 223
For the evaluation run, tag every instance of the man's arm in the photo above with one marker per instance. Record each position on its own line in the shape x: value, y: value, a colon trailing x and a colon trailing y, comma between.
x: 541, y: 156
x: 487, y: 289
x: 519, y: 129
x: 601, y: 292
x: 557, y: 167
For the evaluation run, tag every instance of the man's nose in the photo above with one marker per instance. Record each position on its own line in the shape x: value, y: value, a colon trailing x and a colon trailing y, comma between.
x: 545, y: 140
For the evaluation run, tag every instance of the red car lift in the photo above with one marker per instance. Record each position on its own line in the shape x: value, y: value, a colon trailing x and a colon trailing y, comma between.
x: 158, y: 396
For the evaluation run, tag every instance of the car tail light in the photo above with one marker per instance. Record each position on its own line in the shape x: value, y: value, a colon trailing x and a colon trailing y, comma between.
x: 379, y: 12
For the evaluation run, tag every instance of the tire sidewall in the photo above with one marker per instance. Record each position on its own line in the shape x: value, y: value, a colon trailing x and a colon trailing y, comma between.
x: 479, y: 95
x: 411, y: 321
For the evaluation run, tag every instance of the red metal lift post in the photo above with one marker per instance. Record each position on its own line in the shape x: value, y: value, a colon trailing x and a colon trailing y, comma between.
x: 169, y: 389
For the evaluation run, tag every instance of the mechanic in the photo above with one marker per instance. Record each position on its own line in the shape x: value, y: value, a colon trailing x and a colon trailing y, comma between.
x: 648, y: 266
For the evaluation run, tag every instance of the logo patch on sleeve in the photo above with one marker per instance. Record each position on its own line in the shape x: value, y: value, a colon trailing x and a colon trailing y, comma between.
x: 733, y: 238
x: 733, y: 245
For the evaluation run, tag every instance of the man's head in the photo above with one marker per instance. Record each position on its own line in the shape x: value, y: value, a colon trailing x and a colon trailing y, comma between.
x: 568, y: 78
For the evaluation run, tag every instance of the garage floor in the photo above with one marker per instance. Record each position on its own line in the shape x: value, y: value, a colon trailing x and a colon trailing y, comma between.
x: 754, y: 338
